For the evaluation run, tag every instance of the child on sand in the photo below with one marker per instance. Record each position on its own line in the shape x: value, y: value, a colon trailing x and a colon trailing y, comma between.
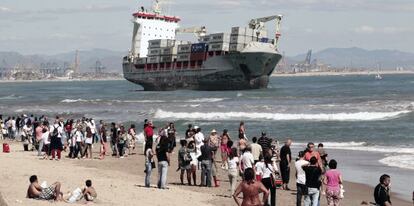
x: 89, y: 193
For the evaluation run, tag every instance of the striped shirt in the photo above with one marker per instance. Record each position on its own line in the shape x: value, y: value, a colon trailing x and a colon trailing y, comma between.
x: 265, y: 142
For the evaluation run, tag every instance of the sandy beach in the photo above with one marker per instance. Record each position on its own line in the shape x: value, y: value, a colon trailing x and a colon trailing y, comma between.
x: 120, y: 182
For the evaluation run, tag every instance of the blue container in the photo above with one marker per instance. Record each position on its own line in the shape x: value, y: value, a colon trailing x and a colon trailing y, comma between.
x: 264, y: 40
x: 199, y: 48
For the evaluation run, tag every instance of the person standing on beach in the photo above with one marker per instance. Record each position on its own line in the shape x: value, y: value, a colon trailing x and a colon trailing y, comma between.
x: 242, y: 131
x: 256, y: 150
x: 121, y: 141
x: 333, y: 181
x: 382, y: 191
x: 114, y: 138
x: 313, y: 173
x: 189, y: 132
x: 131, y: 139
x: 198, y: 137
x: 251, y: 190
x: 301, y: 188
x: 163, y: 162
x: 149, y: 162
x: 184, y: 160
x: 77, y: 137
x: 214, y: 142
x: 246, y: 160
x: 56, y: 140
x: 224, y: 149
x: 171, y: 133
x: 311, y: 152
x: 285, y: 159
x: 194, y: 162
x: 206, y: 158
x: 88, y: 144
x: 265, y: 143
x: 233, y: 169
x: 103, y: 139
x: 149, y: 133
x: 268, y: 179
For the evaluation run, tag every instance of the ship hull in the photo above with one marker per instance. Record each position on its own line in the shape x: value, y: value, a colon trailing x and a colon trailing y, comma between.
x: 234, y: 71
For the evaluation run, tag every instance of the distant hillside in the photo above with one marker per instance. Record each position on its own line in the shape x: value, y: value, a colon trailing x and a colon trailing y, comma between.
x: 112, y: 60
x: 357, y: 57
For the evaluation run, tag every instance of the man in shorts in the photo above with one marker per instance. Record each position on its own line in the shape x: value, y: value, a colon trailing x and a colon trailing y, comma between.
x: 52, y: 192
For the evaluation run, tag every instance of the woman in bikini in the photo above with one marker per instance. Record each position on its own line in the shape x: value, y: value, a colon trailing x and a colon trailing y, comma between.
x: 251, y: 190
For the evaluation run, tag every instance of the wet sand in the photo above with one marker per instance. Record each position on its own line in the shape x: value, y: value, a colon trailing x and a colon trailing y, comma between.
x: 120, y: 182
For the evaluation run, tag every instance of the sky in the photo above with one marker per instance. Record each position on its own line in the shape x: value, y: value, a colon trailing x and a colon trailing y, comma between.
x: 56, y: 26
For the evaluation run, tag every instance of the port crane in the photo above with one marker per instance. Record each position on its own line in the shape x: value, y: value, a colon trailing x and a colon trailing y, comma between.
x: 199, y: 32
x: 258, y: 25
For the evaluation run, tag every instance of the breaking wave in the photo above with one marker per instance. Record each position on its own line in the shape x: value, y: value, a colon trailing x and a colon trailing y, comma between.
x: 401, y: 161
x: 198, y: 100
x: 359, y: 116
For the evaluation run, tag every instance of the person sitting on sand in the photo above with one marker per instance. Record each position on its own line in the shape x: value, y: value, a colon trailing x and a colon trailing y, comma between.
x: 251, y: 190
x: 35, y: 191
x: 89, y: 193
x: 382, y: 191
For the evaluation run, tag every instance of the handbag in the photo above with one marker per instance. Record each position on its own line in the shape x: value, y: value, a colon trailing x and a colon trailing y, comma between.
x: 153, y: 165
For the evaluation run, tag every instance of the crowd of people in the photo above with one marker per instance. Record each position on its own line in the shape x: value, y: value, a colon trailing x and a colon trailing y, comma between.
x: 260, y: 164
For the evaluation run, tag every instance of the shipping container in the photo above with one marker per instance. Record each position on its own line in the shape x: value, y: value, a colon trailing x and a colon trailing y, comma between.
x: 154, y: 52
x: 184, y: 48
x: 245, y: 31
x: 167, y: 58
x: 169, y: 51
x: 218, y: 47
x: 264, y: 40
x: 177, y: 42
x: 157, y: 43
x: 237, y: 47
x: 198, y: 56
x: 199, y: 48
x: 240, y: 39
x: 142, y: 61
x: 205, y: 39
x: 153, y: 60
x: 183, y: 57
x: 219, y: 38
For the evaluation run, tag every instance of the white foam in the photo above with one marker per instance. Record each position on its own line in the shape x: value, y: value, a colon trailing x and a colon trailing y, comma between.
x: 360, y: 116
x: 10, y: 97
x: 198, y: 100
x: 201, y: 100
x: 363, y: 146
x: 401, y: 161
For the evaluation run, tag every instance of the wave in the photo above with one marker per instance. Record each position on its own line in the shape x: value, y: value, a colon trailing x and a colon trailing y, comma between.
x: 10, y: 97
x: 359, y: 116
x: 363, y: 146
x: 401, y: 161
x: 198, y: 100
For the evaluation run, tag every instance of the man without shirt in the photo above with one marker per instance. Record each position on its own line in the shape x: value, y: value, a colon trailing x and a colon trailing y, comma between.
x: 35, y: 191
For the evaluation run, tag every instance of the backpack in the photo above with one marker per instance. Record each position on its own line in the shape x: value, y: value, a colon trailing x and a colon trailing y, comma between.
x: 55, y: 132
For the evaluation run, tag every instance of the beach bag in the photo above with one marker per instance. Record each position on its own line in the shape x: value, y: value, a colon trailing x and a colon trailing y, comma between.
x: 76, y: 195
x: 6, y: 148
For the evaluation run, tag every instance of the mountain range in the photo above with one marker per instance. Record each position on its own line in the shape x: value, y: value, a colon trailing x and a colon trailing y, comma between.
x: 355, y: 57
x: 336, y: 57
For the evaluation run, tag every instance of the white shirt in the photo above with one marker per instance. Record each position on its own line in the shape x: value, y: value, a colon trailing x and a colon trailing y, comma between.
x: 45, y: 137
x: 233, y: 163
x: 59, y: 128
x: 78, y: 136
x: 271, y: 168
x: 248, y: 160
x: 301, y: 178
x: 199, y: 138
x: 260, y: 168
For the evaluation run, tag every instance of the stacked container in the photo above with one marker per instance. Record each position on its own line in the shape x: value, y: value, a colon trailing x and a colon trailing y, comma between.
x: 198, y: 52
x: 240, y: 37
x: 184, y: 52
x: 219, y: 42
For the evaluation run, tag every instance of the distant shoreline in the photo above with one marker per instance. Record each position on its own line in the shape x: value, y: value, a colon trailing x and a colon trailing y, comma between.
x: 59, y: 80
x: 308, y: 74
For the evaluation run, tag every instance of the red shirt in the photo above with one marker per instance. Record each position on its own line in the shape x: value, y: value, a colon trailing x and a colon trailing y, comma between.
x: 309, y: 155
x: 149, y: 131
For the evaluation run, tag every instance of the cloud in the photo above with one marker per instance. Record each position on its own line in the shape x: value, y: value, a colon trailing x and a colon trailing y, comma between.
x: 85, y: 9
x: 4, y: 9
x: 365, y: 29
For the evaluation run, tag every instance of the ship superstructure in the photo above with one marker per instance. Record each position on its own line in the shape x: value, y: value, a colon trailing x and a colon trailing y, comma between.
x: 241, y: 59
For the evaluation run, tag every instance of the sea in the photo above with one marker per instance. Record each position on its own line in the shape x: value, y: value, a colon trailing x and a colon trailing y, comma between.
x: 365, y: 124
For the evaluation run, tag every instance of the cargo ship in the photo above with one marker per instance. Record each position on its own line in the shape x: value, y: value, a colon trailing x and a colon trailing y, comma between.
x: 242, y: 59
